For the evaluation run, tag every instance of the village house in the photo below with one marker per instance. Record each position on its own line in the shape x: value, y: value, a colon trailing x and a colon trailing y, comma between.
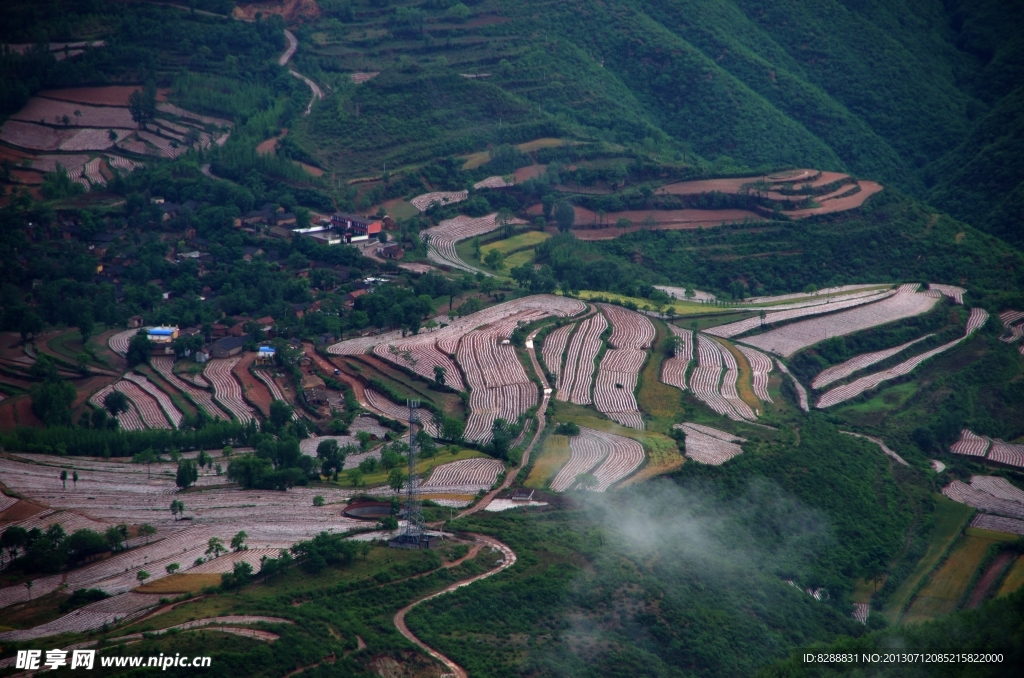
x: 227, y: 347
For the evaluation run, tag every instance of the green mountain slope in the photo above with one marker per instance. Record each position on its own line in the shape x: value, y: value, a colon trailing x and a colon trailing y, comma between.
x: 921, y: 96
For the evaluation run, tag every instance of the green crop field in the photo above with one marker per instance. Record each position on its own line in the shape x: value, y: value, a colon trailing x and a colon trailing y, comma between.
x: 950, y: 519
x: 1014, y: 579
x: 947, y: 585
x: 552, y: 456
x: 516, y: 243
x: 423, y: 468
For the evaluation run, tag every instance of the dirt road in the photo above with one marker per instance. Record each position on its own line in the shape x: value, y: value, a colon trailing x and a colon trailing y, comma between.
x: 508, y: 560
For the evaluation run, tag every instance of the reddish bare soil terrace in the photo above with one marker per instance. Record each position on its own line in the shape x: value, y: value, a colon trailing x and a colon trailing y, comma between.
x: 89, y: 386
x: 254, y: 391
x: 291, y: 10
x: 529, y: 172
x: 20, y: 511
x: 23, y: 412
x: 114, y: 95
x: 7, y: 420
x: 989, y: 578
x: 867, y: 189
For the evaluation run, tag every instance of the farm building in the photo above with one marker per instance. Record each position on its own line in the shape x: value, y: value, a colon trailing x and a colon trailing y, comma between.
x: 202, y: 354
x: 266, y: 355
x: 135, y: 322
x: 227, y: 347
x: 391, y: 251
x: 314, y: 388
x: 163, y: 335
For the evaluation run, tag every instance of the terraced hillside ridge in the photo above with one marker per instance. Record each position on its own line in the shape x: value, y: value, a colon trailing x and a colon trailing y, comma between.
x: 952, y: 291
x: 730, y: 379
x: 796, y: 310
x: 853, y: 389
x: 619, y: 371
x: 400, y: 413
x: 605, y: 456
x: 146, y: 405
x: 578, y: 373
x: 673, y: 369
x: 118, y: 343
x: 129, y: 420
x: 760, y: 365
x: 996, y: 450
x: 441, y: 239
x: 465, y: 475
x: 987, y: 494
x: 498, y: 385
x: 553, y: 349
x: 420, y: 353
x: 165, y: 366
x: 709, y: 445
x: 986, y: 521
x: 172, y: 413
x: 859, y: 362
x: 90, y: 131
x: 1013, y: 323
x: 227, y: 389
x: 707, y: 383
x: 788, y: 339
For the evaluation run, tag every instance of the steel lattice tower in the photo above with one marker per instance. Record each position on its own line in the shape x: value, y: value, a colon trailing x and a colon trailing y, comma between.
x: 414, y: 527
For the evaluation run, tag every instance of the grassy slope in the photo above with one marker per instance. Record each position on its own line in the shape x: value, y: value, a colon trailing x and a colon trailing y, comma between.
x: 886, y: 91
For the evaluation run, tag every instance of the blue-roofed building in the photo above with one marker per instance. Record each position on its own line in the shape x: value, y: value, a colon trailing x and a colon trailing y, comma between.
x: 265, y: 355
x: 162, y: 335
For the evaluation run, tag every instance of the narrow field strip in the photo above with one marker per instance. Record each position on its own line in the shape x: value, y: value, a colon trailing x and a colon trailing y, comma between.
x: 709, y: 445
x: 172, y: 413
x: 202, y: 399
x: 760, y: 365
x: 578, y: 373
x: 227, y: 389
x: 853, y: 389
x: 846, y: 368
x: 553, y: 349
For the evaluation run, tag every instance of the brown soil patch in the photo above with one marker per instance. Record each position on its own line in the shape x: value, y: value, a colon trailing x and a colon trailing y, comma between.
x: 254, y: 391
x: 315, y: 171
x: 23, y: 510
x: 267, y: 146
x: 28, y: 177
x: 89, y: 386
x: 114, y: 95
x: 24, y: 414
x: 867, y: 189
x: 291, y: 10
x: 7, y: 420
x: 825, y: 178
x: 12, y: 154
x: 707, y: 186
x: 989, y: 578
x: 529, y: 172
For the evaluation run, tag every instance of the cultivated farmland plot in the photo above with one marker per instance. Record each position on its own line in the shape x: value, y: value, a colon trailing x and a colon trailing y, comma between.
x: 1007, y: 453
x: 842, y: 393
x: 145, y: 404
x: 954, y: 293
x: 399, y: 413
x: 791, y: 313
x: 981, y: 499
x: 442, y: 238
x: 227, y: 388
x: 268, y: 381
x: 226, y: 562
x: 729, y: 380
x: 421, y: 352
x: 845, y: 369
x: 117, y: 609
x: 709, y: 445
x: 707, y: 377
x: 129, y: 420
x: 118, y: 343
x: 92, y: 173
x: 480, y: 473
x: 1012, y: 321
x: 578, y: 373
x: 787, y: 340
x: 673, y: 370
x: 170, y: 411
x: 761, y: 365
x: 54, y: 112
x: 998, y: 487
x: 553, y: 349
x: 33, y: 137
x: 492, y: 182
x: 423, y: 202
x: 617, y: 376
x: 985, y: 521
x: 165, y: 366
x: 970, y: 444
x: 584, y: 456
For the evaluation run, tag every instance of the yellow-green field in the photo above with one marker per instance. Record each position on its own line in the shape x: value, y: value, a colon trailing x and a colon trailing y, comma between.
x: 678, y: 307
x: 474, y: 160
x: 516, y: 242
x: 423, y: 468
x: 745, y: 382
x: 1014, y: 578
x: 662, y: 452
x: 947, y: 585
x: 659, y: 400
x: 950, y: 519
x: 553, y: 455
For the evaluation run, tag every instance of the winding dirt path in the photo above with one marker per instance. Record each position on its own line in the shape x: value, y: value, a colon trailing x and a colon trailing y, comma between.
x: 508, y: 560
x: 293, y: 44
